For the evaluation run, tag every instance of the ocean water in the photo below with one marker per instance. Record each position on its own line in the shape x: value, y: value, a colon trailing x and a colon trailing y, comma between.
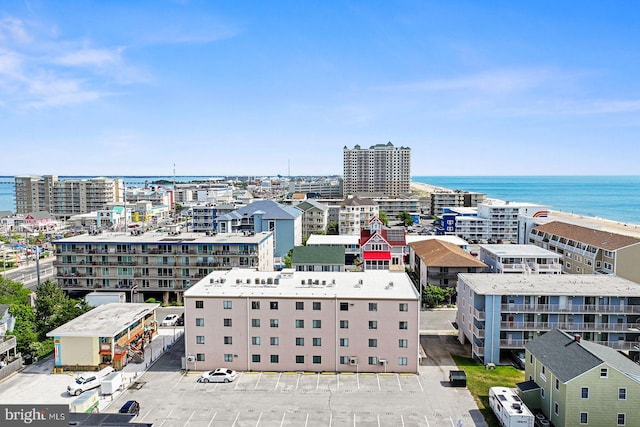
x: 611, y: 197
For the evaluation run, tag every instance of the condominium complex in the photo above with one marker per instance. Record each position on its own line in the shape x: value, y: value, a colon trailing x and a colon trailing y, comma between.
x: 441, y: 199
x: 382, y: 169
x: 584, y: 250
x: 505, y: 311
x: 303, y: 321
x: 355, y: 214
x: 152, y: 264
x: 528, y: 259
x: 64, y: 198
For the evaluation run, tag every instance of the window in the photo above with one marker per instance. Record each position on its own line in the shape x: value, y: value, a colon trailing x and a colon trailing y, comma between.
x: 274, y: 340
x: 373, y: 342
x: 344, y: 342
x: 557, y: 384
x: 344, y: 360
x: 200, y: 357
x: 373, y: 306
x: 403, y: 343
x: 404, y: 306
x: 317, y: 306
x: 584, y: 418
x: 317, y: 324
x: 274, y: 323
x: 199, y: 339
x: 372, y: 360
x: 584, y: 393
x: 255, y: 305
x: 622, y: 394
x: 373, y: 324
x: 199, y: 321
x: 317, y: 342
x: 228, y: 340
x: 621, y: 419
x: 317, y: 359
x: 273, y: 305
x: 604, y: 372
x: 275, y: 358
x: 299, y: 359
x: 227, y: 305
x: 568, y: 266
x: 344, y: 324
x: 299, y: 323
x: 299, y: 341
x: 228, y: 357
x: 199, y: 304
x: 255, y: 358
x: 402, y: 361
x: 255, y: 340
x: 542, y: 393
x: 255, y: 323
x: 299, y: 305
x: 556, y: 408
x: 403, y: 325
x: 227, y: 322
x: 344, y: 306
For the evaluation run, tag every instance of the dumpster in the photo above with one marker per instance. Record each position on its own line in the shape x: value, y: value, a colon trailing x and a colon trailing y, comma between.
x: 457, y: 378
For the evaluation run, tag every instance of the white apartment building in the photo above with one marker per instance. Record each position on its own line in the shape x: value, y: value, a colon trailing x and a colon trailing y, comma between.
x: 382, y: 169
x: 303, y: 321
x: 528, y: 259
x: 355, y: 214
x: 152, y: 264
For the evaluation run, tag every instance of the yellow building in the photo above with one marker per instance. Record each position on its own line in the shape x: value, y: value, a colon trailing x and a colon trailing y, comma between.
x: 104, y: 336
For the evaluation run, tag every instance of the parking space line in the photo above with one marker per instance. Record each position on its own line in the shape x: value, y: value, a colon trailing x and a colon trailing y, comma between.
x: 354, y: 419
x: 298, y: 381
x: 258, y: 422
x: 179, y: 381
x: 338, y: 381
x: 306, y: 421
x: 236, y: 420
x: 258, y: 382
x: 330, y: 418
x: 283, y: 415
x: 379, y: 388
x: 147, y: 413
x: 426, y: 420
x: 212, y: 418
x: 277, y: 382
x: 318, y: 381
x: 402, y: 419
x: 378, y: 415
x: 166, y: 418
x: 237, y: 382
x: 190, y: 416
x: 358, y: 380
x: 399, y: 385
x: 419, y: 383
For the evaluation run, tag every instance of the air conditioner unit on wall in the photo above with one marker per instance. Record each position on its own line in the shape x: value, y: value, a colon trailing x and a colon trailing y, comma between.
x: 353, y: 360
x: 191, y: 358
x: 383, y: 361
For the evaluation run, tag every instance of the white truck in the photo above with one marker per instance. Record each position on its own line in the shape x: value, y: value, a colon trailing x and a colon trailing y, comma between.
x: 86, y: 403
x: 86, y: 382
x: 111, y: 383
x: 509, y: 409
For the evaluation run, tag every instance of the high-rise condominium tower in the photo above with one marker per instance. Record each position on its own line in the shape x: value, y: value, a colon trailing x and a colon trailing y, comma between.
x: 381, y: 168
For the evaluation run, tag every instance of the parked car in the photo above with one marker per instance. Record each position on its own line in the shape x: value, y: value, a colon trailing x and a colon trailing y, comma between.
x: 130, y: 407
x: 180, y: 321
x: 220, y: 375
x: 88, y: 381
x: 518, y: 358
x: 169, y: 320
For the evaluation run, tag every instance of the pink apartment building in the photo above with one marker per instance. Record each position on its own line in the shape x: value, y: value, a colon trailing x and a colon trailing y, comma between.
x: 251, y: 320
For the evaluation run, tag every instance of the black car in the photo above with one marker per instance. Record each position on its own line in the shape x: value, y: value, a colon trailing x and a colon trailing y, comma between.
x: 130, y: 407
x: 180, y: 321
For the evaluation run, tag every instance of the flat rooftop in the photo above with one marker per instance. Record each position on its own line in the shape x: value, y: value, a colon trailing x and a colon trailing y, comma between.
x: 106, y: 320
x: 455, y: 240
x: 154, y: 237
x: 550, y: 284
x: 531, y: 251
x: 333, y: 239
x: 348, y: 285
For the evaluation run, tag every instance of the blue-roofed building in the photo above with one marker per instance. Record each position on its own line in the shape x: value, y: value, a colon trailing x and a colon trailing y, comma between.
x: 266, y: 215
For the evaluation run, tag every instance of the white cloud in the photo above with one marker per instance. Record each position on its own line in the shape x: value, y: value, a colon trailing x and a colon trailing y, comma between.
x: 13, y: 30
x: 90, y: 57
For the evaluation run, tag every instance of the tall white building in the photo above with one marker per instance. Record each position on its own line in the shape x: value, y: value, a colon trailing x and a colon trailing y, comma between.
x: 381, y: 169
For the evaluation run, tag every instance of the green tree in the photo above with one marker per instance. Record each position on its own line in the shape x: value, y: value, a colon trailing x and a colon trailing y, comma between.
x: 436, y: 295
x: 13, y: 292
x: 25, y: 327
x: 383, y: 217
x: 332, y: 228
x: 55, y: 308
x: 406, y: 218
x: 287, y: 258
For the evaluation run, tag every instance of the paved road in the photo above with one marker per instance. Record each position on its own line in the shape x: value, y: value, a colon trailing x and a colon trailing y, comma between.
x: 28, y: 275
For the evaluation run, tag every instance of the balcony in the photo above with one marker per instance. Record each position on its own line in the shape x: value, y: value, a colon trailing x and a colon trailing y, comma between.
x: 478, y: 332
x: 480, y: 315
x: 7, y: 343
x: 511, y: 343
x: 570, y: 308
x: 569, y: 326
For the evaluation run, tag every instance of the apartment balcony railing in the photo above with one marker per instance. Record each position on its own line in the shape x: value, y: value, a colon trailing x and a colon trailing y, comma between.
x: 617, y: 344
x: 511, y: 343
x: 478, y: 332
x: 570, y: 308
x: 479, y: 351
x: 480, y: 315
x: 571, y: 326
x: 7, y: 343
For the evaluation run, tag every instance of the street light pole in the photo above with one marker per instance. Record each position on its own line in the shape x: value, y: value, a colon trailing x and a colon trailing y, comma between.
x: 132, y: 289
x: 38, y: 242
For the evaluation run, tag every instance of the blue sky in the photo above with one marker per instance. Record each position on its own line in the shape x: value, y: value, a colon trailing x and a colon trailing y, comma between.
x: 272, y: 87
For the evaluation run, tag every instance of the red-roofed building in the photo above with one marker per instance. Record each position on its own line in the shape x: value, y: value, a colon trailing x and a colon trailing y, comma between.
x: 382, y: 248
